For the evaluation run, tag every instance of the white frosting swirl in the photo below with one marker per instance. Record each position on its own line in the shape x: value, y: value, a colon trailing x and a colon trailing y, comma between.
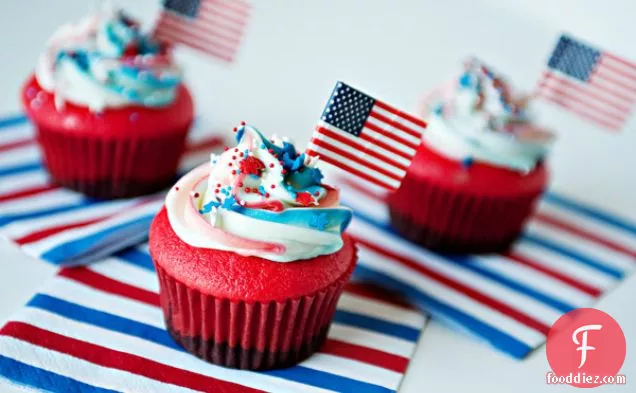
x: 476, y: 117
x: 104, y: 61
x: 261, y: 199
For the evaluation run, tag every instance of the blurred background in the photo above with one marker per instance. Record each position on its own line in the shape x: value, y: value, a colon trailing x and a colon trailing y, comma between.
x: 293, y: 53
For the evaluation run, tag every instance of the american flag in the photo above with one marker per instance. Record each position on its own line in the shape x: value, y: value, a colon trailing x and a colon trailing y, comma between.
x: 366, y: 137
x: 211, y: 26
x: 591, y: 83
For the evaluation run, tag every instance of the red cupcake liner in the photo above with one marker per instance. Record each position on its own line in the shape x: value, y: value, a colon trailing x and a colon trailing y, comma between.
x: 247, y: 335
x: 448, y: 220
x: 104, y: 167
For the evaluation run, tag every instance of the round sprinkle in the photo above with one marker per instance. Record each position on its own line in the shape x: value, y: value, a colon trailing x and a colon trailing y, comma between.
x: 36, y: 104
x: 241, y: 154
x: 236, y: 150
x: 242, y: 123
x: 247, y: 190
x: 234, y: 157
x: 133, y: 116
x: 230, y: 164
x: 216, y: 191
x: 218, y: 185
x: 273, y: 186
x: 271, y: 165
x: 267, y: 195
x: 41, y: 96
x: 284, y: 171
x: 316, y: 193
x: 226, y: 148
x: 234, y: 172
x: 235, y: 129
x: 270, y: 150
x: 196, y: 194
x: 240, y: 184
x: 31, y: 92
x: 176, y: 188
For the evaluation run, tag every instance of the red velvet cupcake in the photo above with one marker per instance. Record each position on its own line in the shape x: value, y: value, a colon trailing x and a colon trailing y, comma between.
x: 251, y: 256
x: 478, y: 172
x: 110, y: 112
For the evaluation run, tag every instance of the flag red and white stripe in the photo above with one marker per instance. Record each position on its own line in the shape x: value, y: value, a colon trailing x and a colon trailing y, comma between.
x: 598, y: 86
x: 215, y: 27
x: 366, y: 137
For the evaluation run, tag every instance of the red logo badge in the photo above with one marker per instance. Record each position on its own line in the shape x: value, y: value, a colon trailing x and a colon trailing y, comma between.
x: 586, y: 348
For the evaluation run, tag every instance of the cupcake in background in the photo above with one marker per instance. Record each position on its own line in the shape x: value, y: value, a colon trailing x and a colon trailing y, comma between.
x: 109, y: 107
x: 251, y: 255
x: 479, y: 170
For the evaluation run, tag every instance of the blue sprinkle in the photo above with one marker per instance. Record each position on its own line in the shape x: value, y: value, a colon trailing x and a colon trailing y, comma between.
x: 467, y: 162
x: 298, y: 162
x: 230, y: 203
x: 208, y: 207
x: 263, y: 146
x: 439, y: 109
x: 315, y: 174
x: 465, y: 80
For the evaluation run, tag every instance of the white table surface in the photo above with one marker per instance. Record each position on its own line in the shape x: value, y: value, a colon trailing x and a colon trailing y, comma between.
x: 294, y: 52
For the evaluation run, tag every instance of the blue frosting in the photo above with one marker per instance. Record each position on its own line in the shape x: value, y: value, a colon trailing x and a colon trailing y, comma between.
x: 297, y: 178
x: 327, y: 220
x: 125, y: 62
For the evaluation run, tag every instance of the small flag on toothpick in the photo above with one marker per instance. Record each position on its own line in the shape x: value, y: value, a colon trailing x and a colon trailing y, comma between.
x: 366, y: 137
x: 214, y: 27
x: 594, y: 84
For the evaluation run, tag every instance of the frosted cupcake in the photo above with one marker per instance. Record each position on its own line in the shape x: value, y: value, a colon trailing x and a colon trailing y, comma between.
x: 109, y: 107
x: 478, y: 172
x: 251, y: 255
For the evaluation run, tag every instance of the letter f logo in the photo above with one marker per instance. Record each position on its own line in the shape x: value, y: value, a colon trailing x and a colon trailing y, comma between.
x: 583, y: 344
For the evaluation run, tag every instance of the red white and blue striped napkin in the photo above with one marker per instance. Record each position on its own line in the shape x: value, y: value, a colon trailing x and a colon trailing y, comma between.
x: 569, y: 255
x: 99, y: 329
x: 62, y: 226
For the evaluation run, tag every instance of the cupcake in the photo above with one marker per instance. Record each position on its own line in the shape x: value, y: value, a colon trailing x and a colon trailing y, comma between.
x: 478, y: 173
x: 109, y: 108
x: 251, y: 255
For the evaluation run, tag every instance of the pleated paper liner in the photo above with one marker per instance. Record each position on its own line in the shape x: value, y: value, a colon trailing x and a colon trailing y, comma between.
x: 248, y: 335
x: 103, y: 167
x: 450, y: 221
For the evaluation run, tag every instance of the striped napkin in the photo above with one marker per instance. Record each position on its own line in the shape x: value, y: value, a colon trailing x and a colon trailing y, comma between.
x: 569, y: 255
x: 62, y: 226
x: 100, y: 329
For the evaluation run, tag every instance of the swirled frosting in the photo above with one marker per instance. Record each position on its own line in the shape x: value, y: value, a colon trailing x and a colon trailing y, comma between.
x: 479, y: 117
x: 261, y: 198
x: 104, y: 61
